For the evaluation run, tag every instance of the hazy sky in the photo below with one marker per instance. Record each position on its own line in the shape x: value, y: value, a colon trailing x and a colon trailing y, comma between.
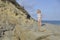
x: 50, y: 8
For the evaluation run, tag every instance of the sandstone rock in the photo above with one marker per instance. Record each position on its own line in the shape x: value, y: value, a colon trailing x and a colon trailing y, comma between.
x: 12, y: 14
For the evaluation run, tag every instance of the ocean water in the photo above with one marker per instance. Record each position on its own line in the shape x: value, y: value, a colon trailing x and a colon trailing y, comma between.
x: 52, y: 22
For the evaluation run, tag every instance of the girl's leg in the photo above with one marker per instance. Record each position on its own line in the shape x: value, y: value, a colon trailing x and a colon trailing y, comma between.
x: 39, y: 24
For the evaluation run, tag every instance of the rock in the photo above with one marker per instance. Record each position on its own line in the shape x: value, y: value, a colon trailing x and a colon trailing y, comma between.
x: 12, y: 14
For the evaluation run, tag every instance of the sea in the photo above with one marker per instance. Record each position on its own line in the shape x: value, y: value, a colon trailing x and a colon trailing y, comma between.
x: 52, y: 22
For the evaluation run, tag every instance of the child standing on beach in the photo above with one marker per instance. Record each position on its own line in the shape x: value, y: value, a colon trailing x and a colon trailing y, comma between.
x: 39, y: 19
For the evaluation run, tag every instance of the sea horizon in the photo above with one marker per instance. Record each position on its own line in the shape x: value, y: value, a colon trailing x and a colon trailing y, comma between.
x: 51, y: 22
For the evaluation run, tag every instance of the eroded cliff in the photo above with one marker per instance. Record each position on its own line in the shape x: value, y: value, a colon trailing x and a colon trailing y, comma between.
x: 12, y: 15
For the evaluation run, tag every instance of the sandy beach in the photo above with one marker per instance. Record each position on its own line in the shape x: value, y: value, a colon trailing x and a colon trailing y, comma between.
x: 17, y: 24
x: 51, y: 32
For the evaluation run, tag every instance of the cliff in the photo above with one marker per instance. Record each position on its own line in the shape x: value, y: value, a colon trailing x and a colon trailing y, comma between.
x: 12, y: 14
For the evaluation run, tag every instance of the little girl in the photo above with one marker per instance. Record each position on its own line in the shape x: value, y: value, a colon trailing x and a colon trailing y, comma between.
x: 39, y: 19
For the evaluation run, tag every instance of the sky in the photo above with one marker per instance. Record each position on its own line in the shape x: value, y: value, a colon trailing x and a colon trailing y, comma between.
x: 50, y: 8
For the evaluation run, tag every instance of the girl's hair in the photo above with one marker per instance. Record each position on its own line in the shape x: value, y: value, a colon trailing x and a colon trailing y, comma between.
x: 38, y: 11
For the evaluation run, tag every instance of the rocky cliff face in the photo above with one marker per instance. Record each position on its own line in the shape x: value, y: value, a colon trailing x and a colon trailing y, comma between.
x: 12, y: 15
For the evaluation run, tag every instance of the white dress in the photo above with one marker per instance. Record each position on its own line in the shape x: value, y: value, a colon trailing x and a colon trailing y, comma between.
x: 39, y: 16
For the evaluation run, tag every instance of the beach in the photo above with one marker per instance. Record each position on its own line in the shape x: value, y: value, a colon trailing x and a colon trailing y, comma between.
x: 17, y: 24
x: 48, y: 32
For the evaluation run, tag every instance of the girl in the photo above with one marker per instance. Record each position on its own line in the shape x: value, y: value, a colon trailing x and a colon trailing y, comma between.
x: 39, y: 19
